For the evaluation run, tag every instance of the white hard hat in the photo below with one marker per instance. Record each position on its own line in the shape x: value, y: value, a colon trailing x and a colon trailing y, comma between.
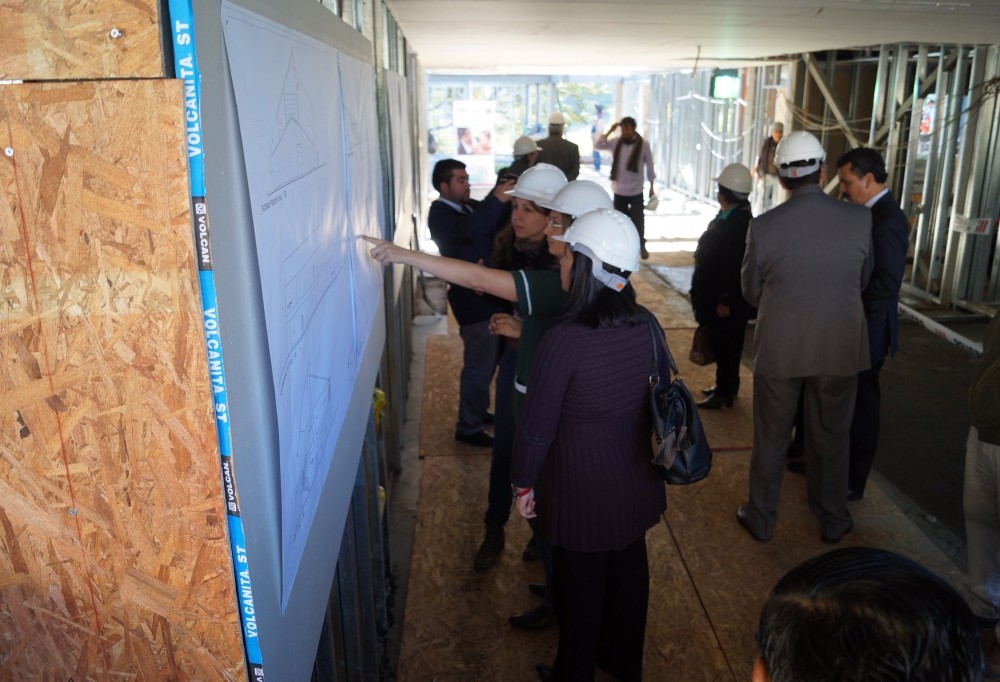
x: 538, y: 183
x: 556, y: 118
x: 736, y: 178
x: 578, y: 197
x: 524, y: 145
x: 797, y: 147
x: 606, y: 237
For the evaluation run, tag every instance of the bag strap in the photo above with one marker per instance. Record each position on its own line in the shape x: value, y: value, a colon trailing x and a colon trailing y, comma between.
x: 659, y: 343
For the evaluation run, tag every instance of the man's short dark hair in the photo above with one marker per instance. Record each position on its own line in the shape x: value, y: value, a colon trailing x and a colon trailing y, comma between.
x: 794, y: 183
x: 628, y: 121
x: 862, y: 614
x: 865, y: 160
x: 442, y: 171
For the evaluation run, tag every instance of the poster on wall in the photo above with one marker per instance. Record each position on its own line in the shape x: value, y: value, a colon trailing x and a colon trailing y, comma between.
x: 363, y: 187
x: 312, y: 189
x: 474, y: 123
x: 401, y: 146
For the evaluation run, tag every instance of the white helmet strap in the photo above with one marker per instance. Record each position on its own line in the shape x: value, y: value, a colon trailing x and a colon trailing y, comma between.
x: 608, y: 279
x: 800, y: 171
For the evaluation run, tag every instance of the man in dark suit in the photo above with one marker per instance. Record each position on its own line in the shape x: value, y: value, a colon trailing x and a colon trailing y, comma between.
x: 806, y: 262
x: 862, y: 181
x: 463, y: 228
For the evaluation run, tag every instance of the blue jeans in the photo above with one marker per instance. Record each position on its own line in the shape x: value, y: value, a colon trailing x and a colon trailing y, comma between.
x: 597, y: 161
x: 479, y: 361
x: 500, y: 495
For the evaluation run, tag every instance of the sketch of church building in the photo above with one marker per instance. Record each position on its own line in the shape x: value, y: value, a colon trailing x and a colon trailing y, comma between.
x: 295, y: 151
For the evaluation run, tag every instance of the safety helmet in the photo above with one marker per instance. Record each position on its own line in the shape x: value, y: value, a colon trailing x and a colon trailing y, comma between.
x: 736, y: 178
x: 606, y: 237
x: 524, y: 145
x: 556, y: 118
x: 796, y: 147
x: 538, y: 183
x: 578, y: 197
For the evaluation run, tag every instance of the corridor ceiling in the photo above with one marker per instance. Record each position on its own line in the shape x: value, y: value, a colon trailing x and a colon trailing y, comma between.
x: 618, y: 37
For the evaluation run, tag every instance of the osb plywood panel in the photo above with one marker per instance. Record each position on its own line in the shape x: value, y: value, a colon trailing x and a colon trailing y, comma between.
x: 70, y: 39
x: 708, y: 577
x: 114, y: 559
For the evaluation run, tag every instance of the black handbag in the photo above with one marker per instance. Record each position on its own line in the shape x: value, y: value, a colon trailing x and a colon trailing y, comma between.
x: 702, y: 353
x: 680, y: 448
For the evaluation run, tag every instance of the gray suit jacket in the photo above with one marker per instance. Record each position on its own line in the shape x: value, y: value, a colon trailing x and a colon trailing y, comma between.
x: 806, y: 262
x: 562, y: 154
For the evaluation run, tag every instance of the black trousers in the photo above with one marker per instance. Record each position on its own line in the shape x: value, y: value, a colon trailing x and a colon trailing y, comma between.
x: 727, y: 342
x: 864, y: 428
x: 633, y: 207
x: 601, y: 600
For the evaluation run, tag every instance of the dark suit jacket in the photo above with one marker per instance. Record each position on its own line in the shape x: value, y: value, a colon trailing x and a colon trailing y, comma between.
x: 807, y: 261
x: 468, y: 237
x: 890, y: 239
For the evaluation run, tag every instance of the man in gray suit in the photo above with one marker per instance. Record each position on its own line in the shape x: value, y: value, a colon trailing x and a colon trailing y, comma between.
x: 806, y: 262
x: 560, y: 152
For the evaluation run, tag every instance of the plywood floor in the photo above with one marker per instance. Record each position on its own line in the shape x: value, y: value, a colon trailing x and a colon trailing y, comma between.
x: 708, y: 577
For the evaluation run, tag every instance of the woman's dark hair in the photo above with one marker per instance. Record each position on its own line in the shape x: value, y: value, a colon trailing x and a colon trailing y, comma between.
x: 731, y: 197
x: 534, y: 256
x: 862, y: 614
x: 595, y: 305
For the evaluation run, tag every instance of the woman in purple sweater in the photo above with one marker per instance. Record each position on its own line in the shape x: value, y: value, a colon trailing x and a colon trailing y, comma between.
x: 582, y: 455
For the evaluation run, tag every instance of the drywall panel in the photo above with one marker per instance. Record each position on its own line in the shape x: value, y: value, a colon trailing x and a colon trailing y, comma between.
x: 289, y: 609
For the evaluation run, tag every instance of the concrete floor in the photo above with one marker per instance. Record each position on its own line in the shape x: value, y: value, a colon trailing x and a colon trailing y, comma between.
x: 708, y: 577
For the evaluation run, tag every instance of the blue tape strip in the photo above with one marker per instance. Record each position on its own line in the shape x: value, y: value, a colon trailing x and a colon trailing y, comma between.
x: 186, y: 67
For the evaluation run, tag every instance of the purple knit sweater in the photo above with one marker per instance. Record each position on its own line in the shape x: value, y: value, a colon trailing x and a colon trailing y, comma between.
x: 583, y: 438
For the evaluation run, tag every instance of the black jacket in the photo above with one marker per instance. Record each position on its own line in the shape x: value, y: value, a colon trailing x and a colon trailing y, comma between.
x: 717, y: 262
x: 468, y: 237
x: 890, y: 240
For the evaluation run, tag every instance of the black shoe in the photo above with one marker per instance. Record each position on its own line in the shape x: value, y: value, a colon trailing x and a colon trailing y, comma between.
x: 854, y: 495
x: 834, y: 539
x: 489, y: 550
x: 715, y: 401
x: 545, y: 672
x: 708, y: 391
x: 537, y: 588
x: 741, y: 518
x: 538, y: 618
x: 488, y: 419
x: 644, y: 253
x: 796, y: 465
x: 531, y: 551
x: 480, y: 439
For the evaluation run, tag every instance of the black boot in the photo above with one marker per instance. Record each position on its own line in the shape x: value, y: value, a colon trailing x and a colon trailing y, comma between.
x: 715, y: 401
x: 489, y: 550
x: 538, y: 618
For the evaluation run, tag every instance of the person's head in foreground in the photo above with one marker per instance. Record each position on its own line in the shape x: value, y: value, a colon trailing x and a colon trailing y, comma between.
x: 859, y: 614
